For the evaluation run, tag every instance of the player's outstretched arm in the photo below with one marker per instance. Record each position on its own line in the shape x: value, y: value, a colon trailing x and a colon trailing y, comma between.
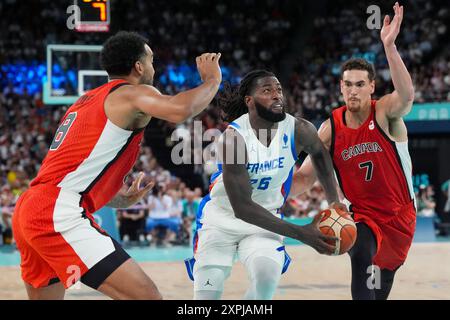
x: 398, y: 103
x: 319, y: 159
x: 239, y: 190
x: 180, y: 107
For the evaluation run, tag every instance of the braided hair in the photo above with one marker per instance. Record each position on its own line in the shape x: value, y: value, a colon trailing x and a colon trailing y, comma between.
x: 232, y: 99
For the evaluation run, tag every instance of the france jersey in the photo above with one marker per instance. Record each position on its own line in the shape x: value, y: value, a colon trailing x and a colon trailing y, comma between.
x: 270, y: 171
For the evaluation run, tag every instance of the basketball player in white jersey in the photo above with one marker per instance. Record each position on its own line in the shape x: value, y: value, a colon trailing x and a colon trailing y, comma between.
x: 241, y: 214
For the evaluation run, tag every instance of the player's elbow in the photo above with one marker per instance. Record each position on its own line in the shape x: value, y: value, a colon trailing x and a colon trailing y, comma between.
x: 240, y: 211
x: 241, y: 214
x: 412, y: 95
x: 180, y: 114
x: 407, y: 97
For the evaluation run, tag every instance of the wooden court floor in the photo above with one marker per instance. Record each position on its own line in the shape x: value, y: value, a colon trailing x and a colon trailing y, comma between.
x: 426, y: 275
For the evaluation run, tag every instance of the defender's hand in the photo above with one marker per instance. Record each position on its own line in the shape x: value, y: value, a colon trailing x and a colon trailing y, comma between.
x: 339, y: 205
x: 135, y: 193
x: 208, y: 67
x: 391, y: 29
x: 312, y: 236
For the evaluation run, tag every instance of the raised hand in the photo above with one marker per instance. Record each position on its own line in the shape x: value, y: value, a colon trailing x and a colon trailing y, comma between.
x: 391, y: 29
x: 208, y: 66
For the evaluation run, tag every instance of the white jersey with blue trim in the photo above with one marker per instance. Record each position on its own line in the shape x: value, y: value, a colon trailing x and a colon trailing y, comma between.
x: 270, y: 171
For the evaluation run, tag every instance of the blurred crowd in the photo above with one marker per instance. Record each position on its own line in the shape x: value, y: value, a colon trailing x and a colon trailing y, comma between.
x: 314, y: 83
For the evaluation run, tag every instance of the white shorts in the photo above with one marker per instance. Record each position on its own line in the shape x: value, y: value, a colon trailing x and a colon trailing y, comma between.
x: 221, y: 239
x: 218, y: 248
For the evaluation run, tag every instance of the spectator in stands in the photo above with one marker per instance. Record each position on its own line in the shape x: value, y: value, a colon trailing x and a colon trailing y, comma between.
x: 7, y: 202
x: 445, y: 188
x: 425, y: 202
x: 190, y: 208
x: 300, y: 205
x: 175, y: 214
x: 159, y: 222
x: 317, y: 201
x: 132, y: 223
x: 198, y: 194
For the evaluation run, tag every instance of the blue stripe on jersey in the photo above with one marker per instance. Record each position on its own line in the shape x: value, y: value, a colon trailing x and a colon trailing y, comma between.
x: 293, y: 149
x: 234, y: 124
x: 199, y: 215
x: 189, y: 263
x: 216, y: 174
x: 286, y: 187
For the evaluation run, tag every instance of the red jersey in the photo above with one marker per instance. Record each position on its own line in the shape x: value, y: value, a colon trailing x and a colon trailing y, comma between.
x: 374, y: 172
x: 89, y: 154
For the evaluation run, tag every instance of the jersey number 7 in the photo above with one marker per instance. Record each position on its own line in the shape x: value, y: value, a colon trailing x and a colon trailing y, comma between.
x: 368, y: 165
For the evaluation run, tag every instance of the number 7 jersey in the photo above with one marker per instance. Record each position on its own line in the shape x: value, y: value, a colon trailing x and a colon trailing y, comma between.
x: 374, y: 172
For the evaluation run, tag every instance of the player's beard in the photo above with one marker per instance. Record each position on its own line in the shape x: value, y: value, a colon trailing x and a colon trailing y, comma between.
x: 269, y: 115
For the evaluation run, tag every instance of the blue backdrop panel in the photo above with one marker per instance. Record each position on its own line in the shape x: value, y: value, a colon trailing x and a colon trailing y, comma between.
x: 106, y: 219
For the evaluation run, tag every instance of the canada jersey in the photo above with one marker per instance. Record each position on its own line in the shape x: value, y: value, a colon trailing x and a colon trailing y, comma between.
x: 89, y: 154
x: 374, y: 172
x: 270, y: 171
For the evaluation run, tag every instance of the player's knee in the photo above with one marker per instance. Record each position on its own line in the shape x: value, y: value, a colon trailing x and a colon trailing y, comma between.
x: 210, y: 278
x: 138, y: 291
x: 149, y: 292
x: 265, y: 274
x: 52, y: 292
x: 361, y: 255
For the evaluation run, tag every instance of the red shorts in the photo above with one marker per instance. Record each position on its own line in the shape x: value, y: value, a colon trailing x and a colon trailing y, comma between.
x: 59, y: 242
x: 394, y: 236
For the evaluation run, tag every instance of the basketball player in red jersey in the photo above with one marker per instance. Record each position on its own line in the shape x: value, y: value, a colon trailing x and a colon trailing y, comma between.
x: 368, y: 143
x: 93, y: 150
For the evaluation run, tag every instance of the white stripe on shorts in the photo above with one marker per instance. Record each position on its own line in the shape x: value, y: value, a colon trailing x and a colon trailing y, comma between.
x: 89, y: 244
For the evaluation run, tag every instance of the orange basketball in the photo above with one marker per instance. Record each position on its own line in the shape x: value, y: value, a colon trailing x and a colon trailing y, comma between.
x: 338, y: 223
